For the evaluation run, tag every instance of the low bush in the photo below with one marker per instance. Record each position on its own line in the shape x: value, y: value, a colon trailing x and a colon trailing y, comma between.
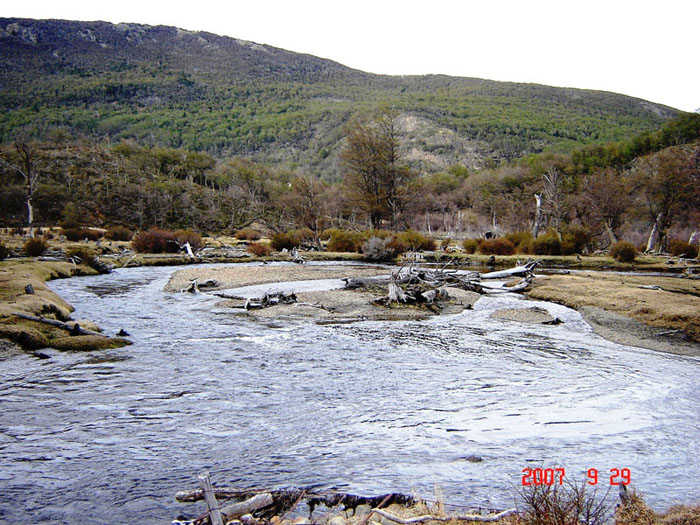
x: 195, y: 239
x: 259, y: 248
x: 397, y: 246
x: 519, y: 238
x: 377, y: 249
x: 497, y: 246
x: 328, y: 233
x: 35, y: 246
x: 417, y: 241
x: 119, y: 233
x: 575, y: 239
x: 155, y: 241
x: 343, y: 241
x: 85, y: 256
x: 563, y: 504
x: 470, y: 246
x: 680, y: 248
x: 4, y: 252
x: 305, y: 235
x: 445, y: 243
x: 247, y: 234
x: 382, y: 234
x: 285, y: 240
x: 547, y: 244
x: 623, y: 251
x: 80, y: 234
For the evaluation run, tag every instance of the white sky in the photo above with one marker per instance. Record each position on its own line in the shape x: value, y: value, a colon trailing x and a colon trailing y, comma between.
x: 647, y: 49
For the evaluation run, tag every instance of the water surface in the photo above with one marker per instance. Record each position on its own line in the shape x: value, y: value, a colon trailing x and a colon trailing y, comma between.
x: 371, y: 407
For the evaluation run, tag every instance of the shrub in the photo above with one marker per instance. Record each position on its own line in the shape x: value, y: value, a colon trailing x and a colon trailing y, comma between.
x: 328, y: 233
x: 565, y: 504
x: 303, y: 234
x: 382, y: 234
x: 417, y: 241
x: 519, y: 238
x: 377, y: 249
x: 86, y: 256
x: 259, y: 248
x: 397, y: 246
x: 470, y: 245
x: 343, y: 241
x: 285, y: 240
x: 195, y: 239
x: 547, y: 244
x: 681, y: 248
x: 248, y: 234
x: 623, y: 251
x: 497, y: 246
x: 35, y: 246
x: 575, y: 240
x: 155, y: 241
x: 79, y: 234
x: 4, y: 252
x: 119, y: 233
x: 445, y: 243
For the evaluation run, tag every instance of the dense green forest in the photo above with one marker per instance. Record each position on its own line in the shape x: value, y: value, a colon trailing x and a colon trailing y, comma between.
x: 165, y: 87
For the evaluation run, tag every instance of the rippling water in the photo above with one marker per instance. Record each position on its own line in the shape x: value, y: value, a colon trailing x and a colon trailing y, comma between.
x: 372, y: 407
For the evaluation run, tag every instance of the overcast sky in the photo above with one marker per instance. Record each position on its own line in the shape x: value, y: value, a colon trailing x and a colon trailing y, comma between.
x: 647, y: 49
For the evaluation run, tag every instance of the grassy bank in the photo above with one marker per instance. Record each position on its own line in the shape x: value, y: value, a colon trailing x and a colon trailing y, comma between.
x: 670, y: 304
x: 19, y: 276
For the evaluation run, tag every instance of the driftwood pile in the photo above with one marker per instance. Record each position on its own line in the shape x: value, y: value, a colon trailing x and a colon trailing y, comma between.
x: 263, y: 507
x: 416, y: 285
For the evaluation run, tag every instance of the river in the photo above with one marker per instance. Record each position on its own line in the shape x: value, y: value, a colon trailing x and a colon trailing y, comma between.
x: 371, y: 407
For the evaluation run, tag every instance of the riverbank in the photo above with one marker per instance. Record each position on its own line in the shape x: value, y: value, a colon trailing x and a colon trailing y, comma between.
x: 23, y: 290
x: 656, y: 312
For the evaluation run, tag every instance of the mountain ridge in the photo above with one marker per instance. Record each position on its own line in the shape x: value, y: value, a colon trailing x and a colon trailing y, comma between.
x: 161, y: 85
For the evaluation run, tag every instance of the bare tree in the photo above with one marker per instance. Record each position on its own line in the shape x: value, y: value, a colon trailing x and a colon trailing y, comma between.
x: 553, y: 198
x: 376, y: 181
x: 307, y: 204
x: 26, y: 166
x: 607, y: 197
x: 668, y: 185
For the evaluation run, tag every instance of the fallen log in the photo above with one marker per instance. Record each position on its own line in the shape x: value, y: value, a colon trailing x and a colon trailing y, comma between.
x: 270, y: 299
x: 74, y: 329
x: 289, y: 496
x: 248, y: 506
x: 522, y: 285
x: 518, y: 271
x: 353, y: 283
x: 432, y: 517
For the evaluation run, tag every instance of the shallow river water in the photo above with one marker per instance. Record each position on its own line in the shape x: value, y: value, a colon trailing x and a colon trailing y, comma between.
x: 371, y: 407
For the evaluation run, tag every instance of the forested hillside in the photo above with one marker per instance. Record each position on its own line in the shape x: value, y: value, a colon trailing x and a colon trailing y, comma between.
x: 167, y: 87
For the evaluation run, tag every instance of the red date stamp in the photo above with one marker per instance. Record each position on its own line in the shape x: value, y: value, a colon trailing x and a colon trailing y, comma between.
x: 555, y: 476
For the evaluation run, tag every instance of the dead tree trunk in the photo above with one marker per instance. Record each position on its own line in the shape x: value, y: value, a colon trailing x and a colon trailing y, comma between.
x: 538, y: 216
x: 655, y: 235
x: 609, y: 230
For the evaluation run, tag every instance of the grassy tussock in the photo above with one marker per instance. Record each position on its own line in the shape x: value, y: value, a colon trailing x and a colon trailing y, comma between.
x: 14, y: 277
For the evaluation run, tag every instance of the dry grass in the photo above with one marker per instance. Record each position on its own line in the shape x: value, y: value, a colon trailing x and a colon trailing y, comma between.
x: 676, y: 306
x: 637, y: 512
x: 14, y: 277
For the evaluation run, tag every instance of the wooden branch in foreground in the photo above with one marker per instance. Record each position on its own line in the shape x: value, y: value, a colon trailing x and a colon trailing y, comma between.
x: 430, y: 517
x: 74, y: 329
